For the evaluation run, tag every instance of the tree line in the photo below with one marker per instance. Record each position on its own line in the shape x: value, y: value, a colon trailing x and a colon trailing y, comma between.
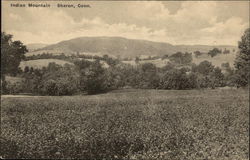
x: 91, y: 77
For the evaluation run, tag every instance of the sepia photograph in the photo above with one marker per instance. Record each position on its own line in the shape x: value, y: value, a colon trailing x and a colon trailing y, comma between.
x: 125, y: 80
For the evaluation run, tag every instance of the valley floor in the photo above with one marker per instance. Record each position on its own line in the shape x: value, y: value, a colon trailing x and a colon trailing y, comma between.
x: 128, y: 124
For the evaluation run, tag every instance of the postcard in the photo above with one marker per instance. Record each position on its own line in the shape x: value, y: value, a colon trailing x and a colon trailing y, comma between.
x: 116, y: 80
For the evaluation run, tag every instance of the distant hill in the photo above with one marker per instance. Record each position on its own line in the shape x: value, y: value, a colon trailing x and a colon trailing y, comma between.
x: 34, y: 46
x: 119, y: 47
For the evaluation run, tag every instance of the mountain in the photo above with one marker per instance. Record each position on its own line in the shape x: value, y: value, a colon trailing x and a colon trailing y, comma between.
x: 120, y: 47
x: 35, y: 46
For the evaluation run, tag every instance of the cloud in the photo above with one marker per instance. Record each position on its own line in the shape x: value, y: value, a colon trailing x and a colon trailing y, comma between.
x: 148, y: 10
x: 50, y: 26
x: 229, y: 31
x: 195, y: 22
x: 192, y: 23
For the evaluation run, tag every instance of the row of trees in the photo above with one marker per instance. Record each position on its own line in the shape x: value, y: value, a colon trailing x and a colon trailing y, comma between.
x: 83, y: 77
x: 61, y: 56
x: 91, y: 78
x: 214, y: 52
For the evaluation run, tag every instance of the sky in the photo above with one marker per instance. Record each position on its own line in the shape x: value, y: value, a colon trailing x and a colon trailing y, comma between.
x: 175, y: 22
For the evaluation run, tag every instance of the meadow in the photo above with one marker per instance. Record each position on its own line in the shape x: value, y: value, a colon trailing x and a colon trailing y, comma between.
x: 128, y: 124
x: 218, y: 60
x: 40, y: 63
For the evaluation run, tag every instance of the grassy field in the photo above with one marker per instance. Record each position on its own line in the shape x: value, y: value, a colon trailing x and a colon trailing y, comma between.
x: 217, y: 60
x: 130, y: 124
x: 40, y: 63
x: 157, y: 62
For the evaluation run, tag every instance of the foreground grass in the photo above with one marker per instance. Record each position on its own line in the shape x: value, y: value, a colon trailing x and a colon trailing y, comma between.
x: 136, y: 124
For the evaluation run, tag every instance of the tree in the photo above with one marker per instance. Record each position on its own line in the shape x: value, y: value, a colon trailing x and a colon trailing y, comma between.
x: 129, y: 75
x: 197, y: 53
x: 82, y: 64
x: 208, y: 75
x: 192, y: 81
x: 93, y: 79
x: 242, y: 62
x: 226, y: 51
x: 12, y: 52
x: 204, y: 68
x: 228, y: 74
x: 217, y: 78
x: 148, y: 76
x: 137, y: 59
x: 164, y: 56
x: 31, y: 70
x: 181, y: 58
x: 114, y: 77
x: 26, y: 69
x: 168, y: 67
x: 214, y: 52
x: 110, y: 61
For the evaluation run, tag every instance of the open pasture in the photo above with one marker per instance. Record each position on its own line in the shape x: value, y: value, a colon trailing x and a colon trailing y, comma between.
x: 40, y: 63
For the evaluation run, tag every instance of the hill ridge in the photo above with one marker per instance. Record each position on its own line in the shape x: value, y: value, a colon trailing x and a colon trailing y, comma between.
x: 123, y: 47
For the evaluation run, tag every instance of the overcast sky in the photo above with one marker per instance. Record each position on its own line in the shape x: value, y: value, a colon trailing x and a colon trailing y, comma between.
x: 189, y: 22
